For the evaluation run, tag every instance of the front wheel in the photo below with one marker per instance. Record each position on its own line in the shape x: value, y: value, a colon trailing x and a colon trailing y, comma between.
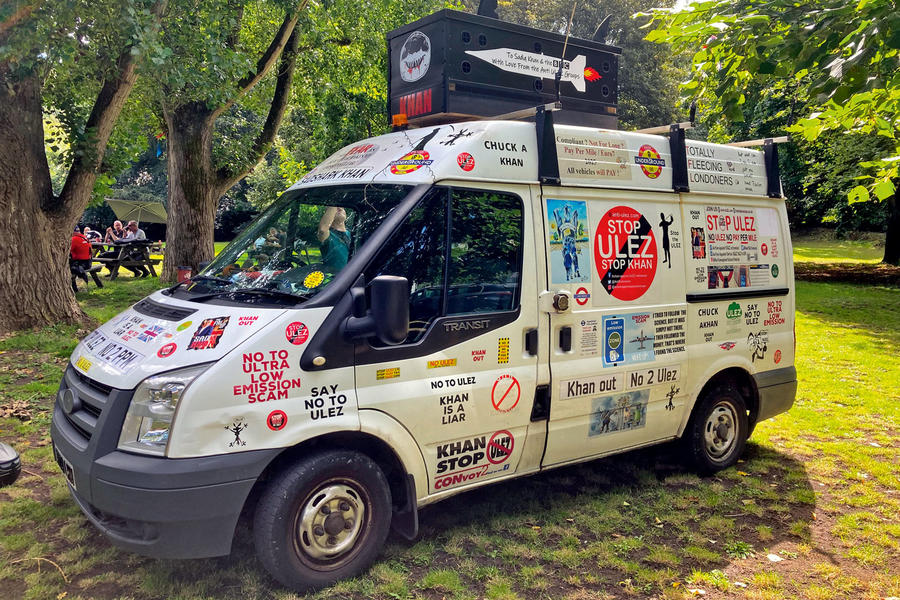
x: 323, y: 519
x: 718, y: 430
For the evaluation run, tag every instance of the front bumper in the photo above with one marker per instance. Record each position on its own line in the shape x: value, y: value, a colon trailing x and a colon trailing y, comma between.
x: 160, y: 507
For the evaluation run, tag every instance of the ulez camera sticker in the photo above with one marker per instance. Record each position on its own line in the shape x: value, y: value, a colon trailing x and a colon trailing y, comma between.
x: 625, y: 253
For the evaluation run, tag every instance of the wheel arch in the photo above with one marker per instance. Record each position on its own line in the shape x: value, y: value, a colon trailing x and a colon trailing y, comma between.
x: 401, y: 481
x: 745, y: 385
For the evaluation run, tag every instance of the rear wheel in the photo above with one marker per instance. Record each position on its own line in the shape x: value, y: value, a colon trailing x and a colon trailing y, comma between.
x: 324, y: 519
x: 717, y: 432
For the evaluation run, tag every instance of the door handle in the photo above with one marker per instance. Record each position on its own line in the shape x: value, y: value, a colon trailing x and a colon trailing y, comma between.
x: 565, y: 338
x: 531, y: 342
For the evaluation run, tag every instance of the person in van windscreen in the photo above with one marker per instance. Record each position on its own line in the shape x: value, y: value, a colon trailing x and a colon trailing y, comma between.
x: 334, y: 239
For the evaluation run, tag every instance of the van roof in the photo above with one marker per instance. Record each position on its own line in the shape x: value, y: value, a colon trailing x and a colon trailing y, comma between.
x: 507, y: 151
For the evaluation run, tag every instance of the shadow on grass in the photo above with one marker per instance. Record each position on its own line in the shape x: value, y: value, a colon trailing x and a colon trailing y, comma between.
x: 875, y: 310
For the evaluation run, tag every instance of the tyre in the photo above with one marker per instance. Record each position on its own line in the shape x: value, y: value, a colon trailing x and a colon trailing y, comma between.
x: 717, y: 431
x: 323, y: 519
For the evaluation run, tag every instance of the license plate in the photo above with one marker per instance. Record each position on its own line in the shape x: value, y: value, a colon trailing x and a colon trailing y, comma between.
x: 83, y: 364
x: 65, y: 466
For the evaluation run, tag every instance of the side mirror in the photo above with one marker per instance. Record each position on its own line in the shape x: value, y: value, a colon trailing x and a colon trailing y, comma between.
x: 388, y: 316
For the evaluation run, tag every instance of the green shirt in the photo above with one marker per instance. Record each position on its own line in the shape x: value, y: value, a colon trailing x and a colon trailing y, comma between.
x: 335, y: 250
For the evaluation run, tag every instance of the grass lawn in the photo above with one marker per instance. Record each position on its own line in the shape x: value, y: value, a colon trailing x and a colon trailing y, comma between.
x: 830, y: 251
x: 812, y: 511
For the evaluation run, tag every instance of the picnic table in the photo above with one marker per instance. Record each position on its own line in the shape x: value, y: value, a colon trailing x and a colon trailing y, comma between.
x: 128, y: 254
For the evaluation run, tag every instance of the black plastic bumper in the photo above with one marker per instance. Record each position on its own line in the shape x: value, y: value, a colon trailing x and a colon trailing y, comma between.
x: 160, y: 507
x: 777, y: 390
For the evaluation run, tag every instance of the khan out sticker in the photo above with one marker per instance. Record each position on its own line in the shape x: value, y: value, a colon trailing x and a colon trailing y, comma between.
x: 568, y: 240
x: 621, y: 412
x: 465, y: 161
x: 415, y: 57
x: 625, y: 253
x: 296, y: 333
x: 209, y: 333
x: 649, y: 161
x: 276, y: 420
x: 167, y: 350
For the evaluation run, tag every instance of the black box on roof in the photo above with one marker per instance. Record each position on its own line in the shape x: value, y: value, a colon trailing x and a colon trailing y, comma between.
x: 453, y: 65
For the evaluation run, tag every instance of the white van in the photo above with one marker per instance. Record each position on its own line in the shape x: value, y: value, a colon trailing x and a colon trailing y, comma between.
x: 427, y: 312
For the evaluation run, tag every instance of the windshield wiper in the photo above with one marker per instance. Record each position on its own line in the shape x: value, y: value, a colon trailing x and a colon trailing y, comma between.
x: 252, y: 292
x: 199, y: 278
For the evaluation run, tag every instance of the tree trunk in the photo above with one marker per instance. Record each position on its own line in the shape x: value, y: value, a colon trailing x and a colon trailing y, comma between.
x: 35, y: 285
x: 892, y: 238
x: 193, y: 189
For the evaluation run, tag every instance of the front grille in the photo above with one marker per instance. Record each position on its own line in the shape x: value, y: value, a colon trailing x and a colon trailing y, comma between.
x: 93, y: 398
x: 161, y: 311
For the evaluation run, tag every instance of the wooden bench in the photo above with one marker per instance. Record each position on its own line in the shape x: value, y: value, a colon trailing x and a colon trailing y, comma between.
x: 131, y: 254
x: 78, y: 271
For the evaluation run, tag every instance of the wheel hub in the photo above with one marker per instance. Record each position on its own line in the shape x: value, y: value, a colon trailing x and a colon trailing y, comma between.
x: 720, y: 430
x: 330, y: 521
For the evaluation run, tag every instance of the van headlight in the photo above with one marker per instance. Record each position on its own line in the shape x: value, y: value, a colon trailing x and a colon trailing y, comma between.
x: 149, y: 419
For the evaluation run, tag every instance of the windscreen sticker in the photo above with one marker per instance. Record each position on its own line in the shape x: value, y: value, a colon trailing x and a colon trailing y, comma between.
x: 621, y: 412
x: 625, y: 253
x: 570, y: 260
x: 208, y: 333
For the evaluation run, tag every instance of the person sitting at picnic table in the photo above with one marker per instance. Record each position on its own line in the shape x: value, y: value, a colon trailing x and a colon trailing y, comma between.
x: 79, y: 256
x: 92, y: 235
x: 114, y: 233
x: 135, y: 234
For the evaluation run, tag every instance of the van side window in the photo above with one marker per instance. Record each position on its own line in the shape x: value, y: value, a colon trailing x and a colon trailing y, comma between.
x: 417, y: 252
x: 485, y: 252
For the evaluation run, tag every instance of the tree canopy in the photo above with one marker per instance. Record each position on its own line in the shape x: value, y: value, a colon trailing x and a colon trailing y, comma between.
x: 840, y: 57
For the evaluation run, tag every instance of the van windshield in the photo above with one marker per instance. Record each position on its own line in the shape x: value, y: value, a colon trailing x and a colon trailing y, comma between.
x: 299, y: 244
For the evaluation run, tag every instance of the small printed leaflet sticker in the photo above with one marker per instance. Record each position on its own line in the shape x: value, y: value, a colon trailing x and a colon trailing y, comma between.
x: 390, y: 373
x: 506, y: 393
x: 208, y: 333
x: 465, y: 161
x: 167, y: 350
x: 625, y: 253
x: 444, y: 362
x: 503, y: 351
x: 276, y: 420
x: 83, y: 364
x: 613, y: 331
x: 296, y: 333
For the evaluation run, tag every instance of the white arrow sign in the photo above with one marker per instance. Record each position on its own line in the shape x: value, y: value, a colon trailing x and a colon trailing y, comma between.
x: 537, y: 65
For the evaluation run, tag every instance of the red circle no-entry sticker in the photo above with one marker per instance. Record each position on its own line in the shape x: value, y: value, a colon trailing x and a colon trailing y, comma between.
x: 625, y: 253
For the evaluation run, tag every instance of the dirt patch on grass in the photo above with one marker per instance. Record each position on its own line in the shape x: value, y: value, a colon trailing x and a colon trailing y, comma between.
x: 862, y: 273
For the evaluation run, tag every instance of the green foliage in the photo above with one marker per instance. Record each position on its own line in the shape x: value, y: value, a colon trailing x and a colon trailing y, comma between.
x: 842, y: 55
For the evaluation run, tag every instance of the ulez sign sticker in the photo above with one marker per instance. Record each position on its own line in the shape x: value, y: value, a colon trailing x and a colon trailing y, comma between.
x: 625, y: 253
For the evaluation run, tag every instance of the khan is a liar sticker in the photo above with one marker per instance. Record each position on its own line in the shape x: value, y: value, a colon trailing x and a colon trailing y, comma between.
x: 625, y: 253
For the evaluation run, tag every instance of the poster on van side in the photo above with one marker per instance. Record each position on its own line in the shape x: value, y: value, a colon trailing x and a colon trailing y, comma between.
x: 570, y: 259
x: 642, y: 337
x: 733, y: 247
